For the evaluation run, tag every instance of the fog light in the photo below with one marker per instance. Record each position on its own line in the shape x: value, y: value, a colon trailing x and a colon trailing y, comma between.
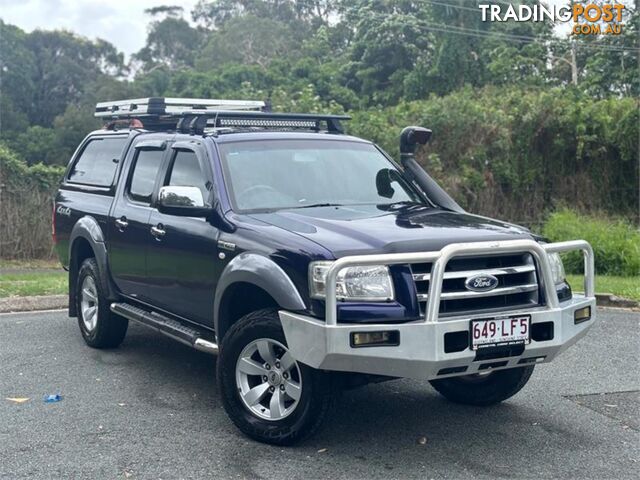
x: 582, y: 315
x: 388, y: 338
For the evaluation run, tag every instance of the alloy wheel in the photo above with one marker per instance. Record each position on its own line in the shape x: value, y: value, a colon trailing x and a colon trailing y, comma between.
x: 89, y: 303
x: 268, y: 379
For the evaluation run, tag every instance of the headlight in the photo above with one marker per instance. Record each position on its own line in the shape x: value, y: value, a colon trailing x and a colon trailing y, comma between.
x: 557, y: 268
x: 365, y: 284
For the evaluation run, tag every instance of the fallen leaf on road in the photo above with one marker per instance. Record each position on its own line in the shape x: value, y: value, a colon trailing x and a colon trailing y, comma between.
x: 322, y: 450
x: 422, y: 440
x: 17, y: 399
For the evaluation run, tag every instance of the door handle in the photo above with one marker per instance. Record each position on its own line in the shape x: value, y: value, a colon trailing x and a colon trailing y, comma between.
x: 158, y: 231
x: 121, y: 223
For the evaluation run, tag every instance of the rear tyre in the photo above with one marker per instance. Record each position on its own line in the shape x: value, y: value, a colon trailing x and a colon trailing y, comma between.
x: 267, y: 394
x: 100, y: 327
x: 484, y: 389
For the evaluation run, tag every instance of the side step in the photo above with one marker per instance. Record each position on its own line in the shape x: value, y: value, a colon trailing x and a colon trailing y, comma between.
x: 167, y: 326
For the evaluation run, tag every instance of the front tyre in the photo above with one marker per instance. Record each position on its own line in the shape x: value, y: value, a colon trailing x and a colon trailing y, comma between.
x: 484, y: 389
x: 267, y: 394
x: 100, y: 327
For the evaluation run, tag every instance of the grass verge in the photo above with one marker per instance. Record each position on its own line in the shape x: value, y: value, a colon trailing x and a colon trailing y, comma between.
x: 24, y: 284
x: 29, y: 264
x: 627, y: 287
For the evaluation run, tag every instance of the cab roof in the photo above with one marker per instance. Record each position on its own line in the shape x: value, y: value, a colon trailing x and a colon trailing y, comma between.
x: 239, y: 135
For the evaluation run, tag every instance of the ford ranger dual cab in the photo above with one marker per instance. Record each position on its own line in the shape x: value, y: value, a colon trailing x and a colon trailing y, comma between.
x: 306, y: 259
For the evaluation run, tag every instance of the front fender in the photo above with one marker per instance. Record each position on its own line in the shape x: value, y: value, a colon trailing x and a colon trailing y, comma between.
x: 262, y: 272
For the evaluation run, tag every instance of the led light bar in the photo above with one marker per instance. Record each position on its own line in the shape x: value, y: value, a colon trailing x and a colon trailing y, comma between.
x: 249, y: 122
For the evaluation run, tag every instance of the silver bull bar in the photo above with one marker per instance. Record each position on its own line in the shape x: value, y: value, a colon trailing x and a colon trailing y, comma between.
x: 421, y: 354
x: 442, y: 257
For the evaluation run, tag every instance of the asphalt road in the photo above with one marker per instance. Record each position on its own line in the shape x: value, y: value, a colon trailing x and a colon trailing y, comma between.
x: 151, y: 410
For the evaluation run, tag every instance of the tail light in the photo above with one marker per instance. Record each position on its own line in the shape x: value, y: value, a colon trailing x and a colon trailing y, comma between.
x: 53, y: 223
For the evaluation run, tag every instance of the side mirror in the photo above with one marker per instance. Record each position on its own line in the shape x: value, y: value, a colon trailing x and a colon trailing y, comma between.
x: 383, y: 183
x: 384, y: 179
x: 411, y: 137
x: 183, y: 202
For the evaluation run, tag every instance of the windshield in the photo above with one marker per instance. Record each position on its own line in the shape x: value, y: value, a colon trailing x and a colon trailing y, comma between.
x: 283, y: 174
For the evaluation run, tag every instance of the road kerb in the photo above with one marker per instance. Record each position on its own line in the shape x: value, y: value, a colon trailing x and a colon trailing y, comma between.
x: 29, y: 304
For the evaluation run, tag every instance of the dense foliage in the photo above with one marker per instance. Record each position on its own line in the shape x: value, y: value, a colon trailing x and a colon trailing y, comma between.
x: 517, y: 154
x: 616, y: 244
x: 515, y: 134
x: 25, y: 206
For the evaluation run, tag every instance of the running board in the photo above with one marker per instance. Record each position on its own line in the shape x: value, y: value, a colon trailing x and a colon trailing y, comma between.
x: 167, y: 326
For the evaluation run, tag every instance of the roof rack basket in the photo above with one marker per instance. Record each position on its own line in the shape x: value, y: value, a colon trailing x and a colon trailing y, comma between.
x: 193, y: 115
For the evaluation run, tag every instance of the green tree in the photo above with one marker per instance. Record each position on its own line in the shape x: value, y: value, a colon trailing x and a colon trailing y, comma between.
x: 388, y: 39
x: 296, y: 14
x: 613, y: 69
x: 247, y: 40
x: 606, y: 64
x: 171, y: 42
x: 44, y: 71
x: 65, y: 65
x: 19, y: 78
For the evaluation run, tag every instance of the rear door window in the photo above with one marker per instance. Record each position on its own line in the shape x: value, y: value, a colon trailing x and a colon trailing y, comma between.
x: 98, y: 162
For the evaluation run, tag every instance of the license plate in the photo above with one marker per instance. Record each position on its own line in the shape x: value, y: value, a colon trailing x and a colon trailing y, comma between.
x: 493, y: 332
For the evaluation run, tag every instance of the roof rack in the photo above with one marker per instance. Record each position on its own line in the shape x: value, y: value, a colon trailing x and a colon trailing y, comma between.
x: 192, y: 115
x: 142, y: 107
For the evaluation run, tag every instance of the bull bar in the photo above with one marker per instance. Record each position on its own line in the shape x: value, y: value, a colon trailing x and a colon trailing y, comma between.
x: 420, y: 354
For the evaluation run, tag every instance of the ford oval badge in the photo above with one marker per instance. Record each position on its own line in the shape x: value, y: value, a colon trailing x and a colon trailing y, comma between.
x: 482, y: 282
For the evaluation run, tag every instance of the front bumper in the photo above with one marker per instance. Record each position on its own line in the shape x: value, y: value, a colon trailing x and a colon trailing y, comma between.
x: 421, y: 350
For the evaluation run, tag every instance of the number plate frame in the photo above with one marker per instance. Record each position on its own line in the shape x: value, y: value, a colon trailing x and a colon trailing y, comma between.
x: 520, y: 341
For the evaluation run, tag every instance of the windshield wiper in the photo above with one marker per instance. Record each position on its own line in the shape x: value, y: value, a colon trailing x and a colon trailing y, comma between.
x: 320, y: 205
x: 403, y: 203
x: 407, y: 204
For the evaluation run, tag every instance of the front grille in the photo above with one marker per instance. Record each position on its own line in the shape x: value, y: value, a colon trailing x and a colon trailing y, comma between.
x: 517, y: 284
